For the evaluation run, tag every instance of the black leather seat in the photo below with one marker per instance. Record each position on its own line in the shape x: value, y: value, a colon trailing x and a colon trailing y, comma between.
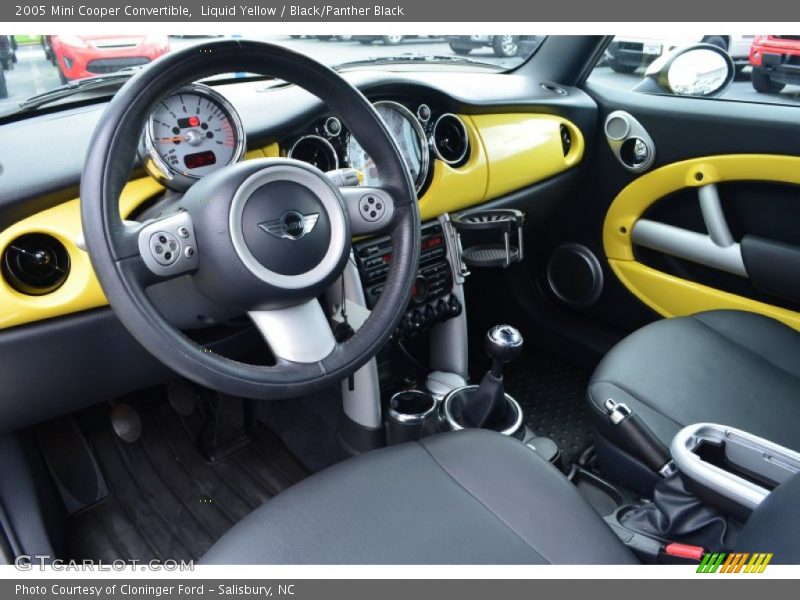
x: 731, y: 367
x: 470, y: 497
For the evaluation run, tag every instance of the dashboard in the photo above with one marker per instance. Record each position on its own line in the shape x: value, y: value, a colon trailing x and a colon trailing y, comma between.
x: 463, y: 147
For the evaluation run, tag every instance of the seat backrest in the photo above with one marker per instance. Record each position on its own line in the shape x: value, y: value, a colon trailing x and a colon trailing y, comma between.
x: 775, y: 525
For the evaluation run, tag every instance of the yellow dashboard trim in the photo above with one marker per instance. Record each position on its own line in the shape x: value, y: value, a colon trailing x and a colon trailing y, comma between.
x: 454, y: 189
x: 672, y: 296
x: 81, y: 290
x: 523, y: 149
x: 508, y: 152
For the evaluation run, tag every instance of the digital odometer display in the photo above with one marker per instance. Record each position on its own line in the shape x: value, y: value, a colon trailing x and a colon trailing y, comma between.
x: 408, y: 134
x: 199, y: 159
x: 195, y: 132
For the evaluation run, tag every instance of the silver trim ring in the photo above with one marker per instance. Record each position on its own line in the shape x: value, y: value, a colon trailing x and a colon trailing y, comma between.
x: 455, y: 426
x: 326, y: 127
x: 425, y: 157
x: 412, y: 418
x: 463, y: 130
x: 328, y: 146
x: 324, y: 193
x: 423, y: 108
x: 173, y: 178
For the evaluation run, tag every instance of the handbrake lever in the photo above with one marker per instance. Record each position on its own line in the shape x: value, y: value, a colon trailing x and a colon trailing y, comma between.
x: 640, y: 438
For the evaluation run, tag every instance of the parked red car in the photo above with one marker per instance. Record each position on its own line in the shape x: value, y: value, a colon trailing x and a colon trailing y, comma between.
x: 78, y: 56
x: 776, y: 62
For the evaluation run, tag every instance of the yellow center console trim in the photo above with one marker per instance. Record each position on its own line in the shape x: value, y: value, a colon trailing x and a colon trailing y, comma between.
x: 672, y: 296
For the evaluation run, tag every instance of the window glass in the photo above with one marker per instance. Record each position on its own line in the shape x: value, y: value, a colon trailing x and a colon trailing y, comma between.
x: 767, y: 66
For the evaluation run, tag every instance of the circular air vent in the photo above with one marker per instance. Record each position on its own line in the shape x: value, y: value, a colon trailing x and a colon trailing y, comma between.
x: 35, y: 264
x: 315, y: 150
x: 450, y: 139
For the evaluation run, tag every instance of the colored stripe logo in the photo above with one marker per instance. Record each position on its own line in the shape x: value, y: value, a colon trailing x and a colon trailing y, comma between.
x: 737, y: 562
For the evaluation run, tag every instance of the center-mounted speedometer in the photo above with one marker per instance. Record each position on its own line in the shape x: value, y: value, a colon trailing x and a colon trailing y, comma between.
x: 410, y: 138
x: 189, y: 134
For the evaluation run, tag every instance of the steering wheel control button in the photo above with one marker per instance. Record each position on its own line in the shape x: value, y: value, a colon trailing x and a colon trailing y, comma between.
x: 167, y: 246
x: 164, y: 247
x: 372, y: 208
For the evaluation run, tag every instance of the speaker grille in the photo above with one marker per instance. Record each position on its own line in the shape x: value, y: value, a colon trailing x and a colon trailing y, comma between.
x: 35, y: 264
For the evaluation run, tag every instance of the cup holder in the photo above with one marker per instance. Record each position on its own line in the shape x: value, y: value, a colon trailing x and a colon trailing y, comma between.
x: 485, y: 224
x: 453, y: 404
x: 411, y: 415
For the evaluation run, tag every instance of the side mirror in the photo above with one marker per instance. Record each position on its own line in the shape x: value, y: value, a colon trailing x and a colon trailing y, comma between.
x: 700, y: 70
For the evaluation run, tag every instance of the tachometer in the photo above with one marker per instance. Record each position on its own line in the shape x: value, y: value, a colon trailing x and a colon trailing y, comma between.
x: 410, y: 138
x: 190, y: 134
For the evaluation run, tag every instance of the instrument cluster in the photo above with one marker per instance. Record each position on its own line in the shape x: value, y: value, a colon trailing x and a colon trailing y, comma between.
x: 422, y: 135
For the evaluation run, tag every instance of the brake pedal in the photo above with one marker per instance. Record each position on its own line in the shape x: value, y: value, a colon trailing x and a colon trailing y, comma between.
x: 126, y: 423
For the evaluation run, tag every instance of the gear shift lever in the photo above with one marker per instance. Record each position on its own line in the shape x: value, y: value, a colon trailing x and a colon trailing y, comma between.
x: 488, y: 404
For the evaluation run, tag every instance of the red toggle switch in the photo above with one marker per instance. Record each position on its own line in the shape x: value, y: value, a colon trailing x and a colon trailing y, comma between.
x: 685, y: 551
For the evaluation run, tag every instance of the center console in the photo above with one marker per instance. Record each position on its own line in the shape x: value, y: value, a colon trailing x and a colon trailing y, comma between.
x: 432, y: 300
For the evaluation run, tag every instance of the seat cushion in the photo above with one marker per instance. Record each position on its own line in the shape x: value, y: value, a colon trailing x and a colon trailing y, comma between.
x: 468, y: 497
x: 731, y: 367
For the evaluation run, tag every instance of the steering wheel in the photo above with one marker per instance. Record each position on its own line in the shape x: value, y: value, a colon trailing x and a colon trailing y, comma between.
x: 265, y: 237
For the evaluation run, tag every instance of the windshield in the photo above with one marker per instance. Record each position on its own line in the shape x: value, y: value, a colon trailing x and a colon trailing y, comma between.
x: 33, y: 66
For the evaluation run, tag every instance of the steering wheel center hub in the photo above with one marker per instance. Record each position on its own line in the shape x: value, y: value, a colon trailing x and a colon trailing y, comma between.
x: 287, y: 235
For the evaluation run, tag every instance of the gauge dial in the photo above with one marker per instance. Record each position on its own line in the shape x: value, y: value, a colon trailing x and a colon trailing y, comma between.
x: 190, y: 134
x: 410, y: 139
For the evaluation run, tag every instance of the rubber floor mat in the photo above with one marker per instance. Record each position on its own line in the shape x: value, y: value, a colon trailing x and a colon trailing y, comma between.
x: 552, y: 394
x: 167, y: 500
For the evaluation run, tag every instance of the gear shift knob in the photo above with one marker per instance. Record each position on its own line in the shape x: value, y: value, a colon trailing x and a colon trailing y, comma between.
x: 503, y: 344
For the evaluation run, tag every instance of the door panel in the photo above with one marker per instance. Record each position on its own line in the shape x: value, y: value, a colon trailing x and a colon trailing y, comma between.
x: 627, y: 227
x: 747, y: 155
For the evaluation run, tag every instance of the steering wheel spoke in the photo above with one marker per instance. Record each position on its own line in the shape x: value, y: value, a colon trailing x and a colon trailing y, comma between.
x: 371, y: 209
x: 167, y: 248
x: 299, y: 333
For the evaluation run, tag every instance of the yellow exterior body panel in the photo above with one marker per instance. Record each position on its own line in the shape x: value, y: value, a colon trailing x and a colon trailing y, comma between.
x: 672, y: 296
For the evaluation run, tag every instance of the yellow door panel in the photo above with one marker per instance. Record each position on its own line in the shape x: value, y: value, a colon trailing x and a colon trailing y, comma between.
x: 666, y: 294
x: 675, y: 297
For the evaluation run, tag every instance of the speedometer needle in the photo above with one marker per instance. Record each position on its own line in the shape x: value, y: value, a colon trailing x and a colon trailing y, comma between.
x: 175, y: 138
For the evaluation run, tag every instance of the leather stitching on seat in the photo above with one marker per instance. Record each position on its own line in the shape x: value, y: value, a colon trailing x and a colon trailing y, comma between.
x: 483, y: 504
x: 763, y: 359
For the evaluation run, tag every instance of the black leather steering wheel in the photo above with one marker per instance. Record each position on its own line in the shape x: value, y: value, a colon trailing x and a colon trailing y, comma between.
x: 226, y: 219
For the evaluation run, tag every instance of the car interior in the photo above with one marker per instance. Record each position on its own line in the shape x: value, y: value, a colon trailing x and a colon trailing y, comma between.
x: 399, y: 315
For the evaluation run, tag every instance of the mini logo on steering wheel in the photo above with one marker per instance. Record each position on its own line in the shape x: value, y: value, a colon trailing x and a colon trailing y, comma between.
x: 292, y: 225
